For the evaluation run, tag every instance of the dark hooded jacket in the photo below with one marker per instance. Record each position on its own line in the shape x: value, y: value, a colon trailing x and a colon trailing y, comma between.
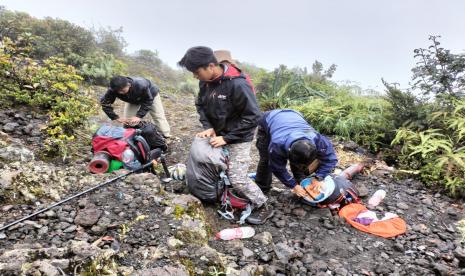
x: 228, y: 105
x: 142, y: 92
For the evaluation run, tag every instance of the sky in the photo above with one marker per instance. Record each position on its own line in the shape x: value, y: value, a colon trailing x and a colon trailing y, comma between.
x: 367, y: 39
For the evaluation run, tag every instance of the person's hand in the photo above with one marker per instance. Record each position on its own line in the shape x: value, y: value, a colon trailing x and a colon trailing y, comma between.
x: 206, y: 133
x: 299, y: 191
x: 316, y: 182
x: 121, y: 120
x: 133, y: 121
x: 217, y: 141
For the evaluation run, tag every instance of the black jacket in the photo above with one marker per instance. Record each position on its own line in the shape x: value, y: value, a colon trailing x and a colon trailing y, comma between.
x: 142, y: 92
x: 228, y: 105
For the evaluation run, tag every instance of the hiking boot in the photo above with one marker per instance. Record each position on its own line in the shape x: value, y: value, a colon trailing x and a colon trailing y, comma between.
x: 260, y: 215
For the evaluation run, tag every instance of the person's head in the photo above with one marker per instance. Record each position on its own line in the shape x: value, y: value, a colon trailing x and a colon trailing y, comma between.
x: 303, y: 153
x: 120, y: 84
x: 201, y: 62
x: 224, y: 56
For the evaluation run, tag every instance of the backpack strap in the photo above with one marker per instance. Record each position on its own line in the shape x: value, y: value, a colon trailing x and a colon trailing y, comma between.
x: 143, y: 147
x: 134, y: 148
x: 245, y: 214
x: 226, y: 210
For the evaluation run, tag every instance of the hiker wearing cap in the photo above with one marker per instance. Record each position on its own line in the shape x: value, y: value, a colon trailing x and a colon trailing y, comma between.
x: 141, y: 97
x: 224, y: 57
x: 283, y: 134
x: 229, y: 114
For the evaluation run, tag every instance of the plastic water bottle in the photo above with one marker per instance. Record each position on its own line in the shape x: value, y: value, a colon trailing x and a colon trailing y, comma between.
x: 235, y: 233
x: 129, y: 160
x: 128, y: 156
x: 376, y: 198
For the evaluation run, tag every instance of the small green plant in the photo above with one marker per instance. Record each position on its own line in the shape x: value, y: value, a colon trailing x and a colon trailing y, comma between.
x: 125, y: 228
x: 216, y: 272
x: 178, y: 211
x: 461, y: 227
x: 101, y: 265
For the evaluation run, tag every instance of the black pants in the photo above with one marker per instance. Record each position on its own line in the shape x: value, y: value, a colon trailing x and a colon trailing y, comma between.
x: 263, y: 177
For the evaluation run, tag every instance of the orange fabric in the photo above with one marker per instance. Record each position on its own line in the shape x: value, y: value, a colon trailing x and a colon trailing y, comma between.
x: 386, y: 228
x: 314, y: 189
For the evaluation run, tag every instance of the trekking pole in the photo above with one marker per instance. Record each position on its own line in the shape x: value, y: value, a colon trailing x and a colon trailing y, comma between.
x: 165, y: 167
x: 73, y: 197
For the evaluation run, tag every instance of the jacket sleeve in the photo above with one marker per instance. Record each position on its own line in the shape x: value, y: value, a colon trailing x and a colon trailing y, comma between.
x: 326, y: 156
x: 244, y: 101
x: 278, y: 167
x: 107, y: 104
x: 201, y: 110
x: 147, y: 91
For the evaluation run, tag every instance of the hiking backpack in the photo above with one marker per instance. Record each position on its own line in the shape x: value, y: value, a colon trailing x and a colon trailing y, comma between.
x: 141, y: 139
x: 207, y: 179
x: 339, y: 192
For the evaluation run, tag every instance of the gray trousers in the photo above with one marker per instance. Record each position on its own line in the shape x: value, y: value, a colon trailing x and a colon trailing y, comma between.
x: 157, y: 112
x: 239, y: 161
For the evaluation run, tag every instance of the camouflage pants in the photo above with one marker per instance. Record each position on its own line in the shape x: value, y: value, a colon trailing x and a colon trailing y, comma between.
x: 239, y: 160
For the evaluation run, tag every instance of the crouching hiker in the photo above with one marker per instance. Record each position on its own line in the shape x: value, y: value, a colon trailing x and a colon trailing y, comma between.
x: 285, y: 135
x: 141, y: 97
x: 229, y: 114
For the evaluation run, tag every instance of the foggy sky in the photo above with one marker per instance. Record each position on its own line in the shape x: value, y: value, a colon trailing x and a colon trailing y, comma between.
x: 367, y: 39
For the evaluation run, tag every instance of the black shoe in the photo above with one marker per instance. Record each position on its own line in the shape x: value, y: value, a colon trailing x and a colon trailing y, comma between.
x: 260, y: 215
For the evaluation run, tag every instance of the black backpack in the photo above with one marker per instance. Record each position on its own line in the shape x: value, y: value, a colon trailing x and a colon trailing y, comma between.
x: 152, y: 135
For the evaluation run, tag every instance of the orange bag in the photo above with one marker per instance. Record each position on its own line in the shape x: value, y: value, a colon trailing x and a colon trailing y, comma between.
x: 387, y: 228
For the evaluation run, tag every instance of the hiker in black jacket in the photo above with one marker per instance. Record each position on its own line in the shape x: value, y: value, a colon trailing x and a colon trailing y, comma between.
x: 141, y: 97
x: 229, y: 114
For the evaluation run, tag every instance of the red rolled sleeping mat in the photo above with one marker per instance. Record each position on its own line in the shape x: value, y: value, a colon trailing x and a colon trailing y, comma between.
x: 100, y: 162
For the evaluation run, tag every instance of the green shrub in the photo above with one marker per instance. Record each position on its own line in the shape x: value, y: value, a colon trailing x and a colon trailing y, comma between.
x: 433, y: 130
x: 97, y: 68
x: 189, y: 86
x: 358, y: 118
x: 406, y: 109
x: 47, y: 85
x: 439, y: 73
x: 53, y: 37
x: 438, y: 154
x: 284, y: 87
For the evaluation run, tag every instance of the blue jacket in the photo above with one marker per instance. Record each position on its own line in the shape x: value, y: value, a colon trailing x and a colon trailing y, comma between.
x: 286, y: 126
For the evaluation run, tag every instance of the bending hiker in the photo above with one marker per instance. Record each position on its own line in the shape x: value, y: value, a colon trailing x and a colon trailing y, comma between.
x: 283, y: 135
x: 229, y: 114
x: 141, y: 97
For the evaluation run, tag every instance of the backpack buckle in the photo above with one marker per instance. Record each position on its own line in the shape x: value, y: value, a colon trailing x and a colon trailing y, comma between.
x: 226, y: 211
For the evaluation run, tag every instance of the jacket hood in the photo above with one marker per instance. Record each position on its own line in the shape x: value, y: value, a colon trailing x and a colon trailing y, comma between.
x: 294, y: 136
x: 229, y: 73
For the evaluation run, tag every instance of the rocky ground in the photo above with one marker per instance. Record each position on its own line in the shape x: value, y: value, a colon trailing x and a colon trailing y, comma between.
x: 139, y: 226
